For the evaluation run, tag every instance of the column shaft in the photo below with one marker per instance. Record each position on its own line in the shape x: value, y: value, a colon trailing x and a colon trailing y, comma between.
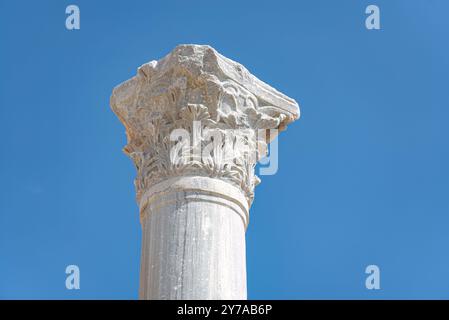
x: 193, y: 241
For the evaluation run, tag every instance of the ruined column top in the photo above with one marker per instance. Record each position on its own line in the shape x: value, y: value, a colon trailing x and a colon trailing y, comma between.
x: 202, y: 62
x: 195, y: 84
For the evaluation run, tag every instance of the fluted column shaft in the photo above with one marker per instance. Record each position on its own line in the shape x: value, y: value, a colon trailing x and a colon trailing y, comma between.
x: 193, y: 244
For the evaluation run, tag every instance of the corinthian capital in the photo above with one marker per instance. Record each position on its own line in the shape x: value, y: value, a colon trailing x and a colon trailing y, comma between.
x: 224, y: 111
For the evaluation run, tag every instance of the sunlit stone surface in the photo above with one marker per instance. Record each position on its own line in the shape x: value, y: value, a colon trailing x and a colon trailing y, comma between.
x: 194, y: 200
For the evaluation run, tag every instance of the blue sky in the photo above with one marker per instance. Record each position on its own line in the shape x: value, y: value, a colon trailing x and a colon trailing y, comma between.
x: 363, y: 175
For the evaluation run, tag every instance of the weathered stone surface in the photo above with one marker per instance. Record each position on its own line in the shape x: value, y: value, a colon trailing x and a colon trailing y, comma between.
x: 195, y: 194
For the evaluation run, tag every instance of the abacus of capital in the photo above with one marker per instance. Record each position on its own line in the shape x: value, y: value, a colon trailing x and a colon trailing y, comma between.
x: 194, y: 198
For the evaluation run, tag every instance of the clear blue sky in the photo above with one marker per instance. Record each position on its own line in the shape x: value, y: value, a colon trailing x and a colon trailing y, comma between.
x: 363, y: 175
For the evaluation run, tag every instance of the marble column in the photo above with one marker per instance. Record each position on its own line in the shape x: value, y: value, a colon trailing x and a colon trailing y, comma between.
x: 196, y: 124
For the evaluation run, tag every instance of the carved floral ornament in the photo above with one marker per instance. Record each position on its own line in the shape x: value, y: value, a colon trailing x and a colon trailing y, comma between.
x: 184, y: 122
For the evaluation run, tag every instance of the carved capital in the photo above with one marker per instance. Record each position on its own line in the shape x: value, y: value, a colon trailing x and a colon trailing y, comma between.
x: 197, y: 113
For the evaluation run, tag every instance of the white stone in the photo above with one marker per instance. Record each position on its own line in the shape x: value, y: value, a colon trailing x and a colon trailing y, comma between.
x: 195, y: 197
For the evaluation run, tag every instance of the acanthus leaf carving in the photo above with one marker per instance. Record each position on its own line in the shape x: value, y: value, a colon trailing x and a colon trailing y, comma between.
x: 221, y: 118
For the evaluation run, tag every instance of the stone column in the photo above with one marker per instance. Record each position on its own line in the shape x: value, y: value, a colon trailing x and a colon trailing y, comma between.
x: 196, y: 124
